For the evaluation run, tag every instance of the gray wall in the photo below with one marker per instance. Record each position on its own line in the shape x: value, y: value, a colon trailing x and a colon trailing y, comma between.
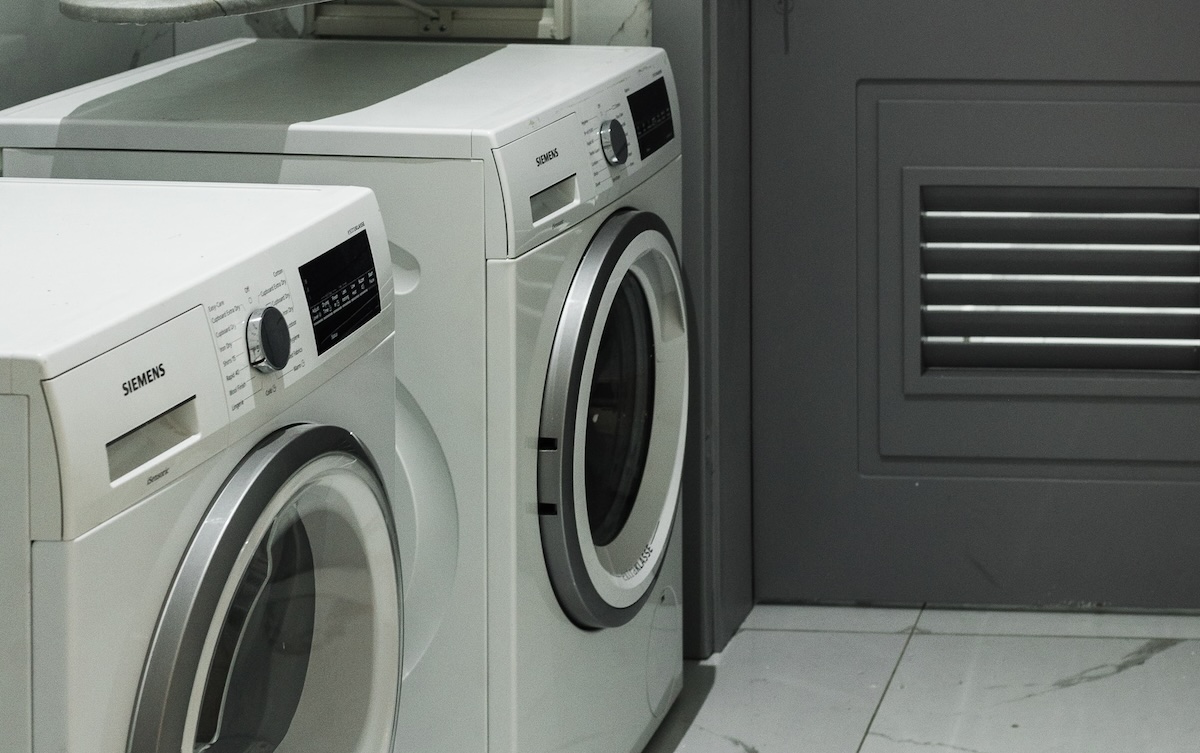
x: 41, y: 51
x: 708, y: 44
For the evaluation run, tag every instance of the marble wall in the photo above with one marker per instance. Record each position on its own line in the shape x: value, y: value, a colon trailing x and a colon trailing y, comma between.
x: 616, y: 22
x: 608, y: 22
x: 272, y: 24
x: 42, y: 51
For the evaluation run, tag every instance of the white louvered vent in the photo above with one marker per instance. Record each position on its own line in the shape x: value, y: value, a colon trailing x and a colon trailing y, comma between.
x: 1060, y: 278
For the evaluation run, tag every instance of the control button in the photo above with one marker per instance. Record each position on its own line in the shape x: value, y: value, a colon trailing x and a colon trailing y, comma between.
x: 267, y: 339
x: 613, y: 142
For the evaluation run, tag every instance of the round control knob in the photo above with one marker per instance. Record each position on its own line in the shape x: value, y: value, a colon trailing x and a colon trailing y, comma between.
x: 268, y: 340
x: 613, y: 142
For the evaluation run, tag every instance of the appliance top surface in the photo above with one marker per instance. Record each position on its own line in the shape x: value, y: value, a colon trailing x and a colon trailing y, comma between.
x: 255, y: 95
x: 82, y: 256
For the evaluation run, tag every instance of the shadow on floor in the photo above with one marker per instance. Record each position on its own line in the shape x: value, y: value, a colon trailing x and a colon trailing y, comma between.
x: 698, y: 681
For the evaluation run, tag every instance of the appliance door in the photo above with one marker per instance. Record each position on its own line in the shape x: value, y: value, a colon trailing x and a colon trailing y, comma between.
x: 281, y: 631
x: 610, y: 452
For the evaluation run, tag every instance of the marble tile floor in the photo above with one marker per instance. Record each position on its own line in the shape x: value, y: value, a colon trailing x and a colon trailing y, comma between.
x: 858, y: 680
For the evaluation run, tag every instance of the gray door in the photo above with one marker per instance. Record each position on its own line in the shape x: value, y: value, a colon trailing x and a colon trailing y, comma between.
x: 976, y: 302
x: 281, y: 631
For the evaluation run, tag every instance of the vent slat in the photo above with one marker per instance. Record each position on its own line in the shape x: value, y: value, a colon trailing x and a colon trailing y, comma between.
x: 1062, y: 353
x: 1062, y: 321
x: 1017, y: 277
x: 1060, y: 290
x: 1062, y: 258
x: 1079, y: 199
x: 1021, y: 227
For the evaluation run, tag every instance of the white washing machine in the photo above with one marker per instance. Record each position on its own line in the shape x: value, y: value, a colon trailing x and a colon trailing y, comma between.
x: 531, y: 194
x: 197, y: 548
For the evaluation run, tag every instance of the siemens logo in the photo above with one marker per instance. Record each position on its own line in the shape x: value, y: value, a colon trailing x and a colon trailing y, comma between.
x: 547, y: 157
x: 141, y: 380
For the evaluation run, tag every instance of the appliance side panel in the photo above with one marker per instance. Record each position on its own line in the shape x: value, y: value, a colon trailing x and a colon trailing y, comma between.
x: 728, y: 256
x: 15, y: 673
x: 27, y: 163
x: 134, y: 165
x: 503, y: 314
x: 50, y: 653
x: 680, y: 29
x: 433, y: 211
x: 45, y: 485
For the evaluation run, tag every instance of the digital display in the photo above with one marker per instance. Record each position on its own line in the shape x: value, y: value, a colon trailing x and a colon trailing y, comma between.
x: 650, y: 107
x: 342, y: 290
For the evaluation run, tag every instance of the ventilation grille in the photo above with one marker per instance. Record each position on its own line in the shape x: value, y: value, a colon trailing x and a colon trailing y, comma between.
x: 1060, y: 278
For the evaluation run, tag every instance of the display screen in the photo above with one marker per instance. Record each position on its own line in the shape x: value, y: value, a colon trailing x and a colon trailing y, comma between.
x: 651, y: 110
x: 341, y: 290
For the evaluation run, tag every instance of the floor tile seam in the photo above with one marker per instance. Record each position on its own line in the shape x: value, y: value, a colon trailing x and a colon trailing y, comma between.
x: 888, y: 685
x: 904, y: 631
x: 930, y: 634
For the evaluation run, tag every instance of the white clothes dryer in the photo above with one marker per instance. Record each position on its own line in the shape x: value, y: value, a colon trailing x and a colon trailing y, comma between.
x: 197, y: 546
x: 531, y: 195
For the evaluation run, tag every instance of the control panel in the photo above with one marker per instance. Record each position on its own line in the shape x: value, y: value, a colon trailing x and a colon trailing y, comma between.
x: 342, y: 290
x: 237, y: 321
x: 614, y: 144
x: 588, y: 156
x: 261, y: 340
x: 139, y: 415
x: 268, y: 340
x: 235, y: 303
x: 624, y: 127
x: 650, y: 108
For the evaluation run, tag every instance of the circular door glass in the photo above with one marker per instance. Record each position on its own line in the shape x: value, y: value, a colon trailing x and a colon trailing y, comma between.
x: 610, y: 449
x: 260, y: 662
x: 282, y: 630
x: 620, y: 410
x: 293, y: 659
